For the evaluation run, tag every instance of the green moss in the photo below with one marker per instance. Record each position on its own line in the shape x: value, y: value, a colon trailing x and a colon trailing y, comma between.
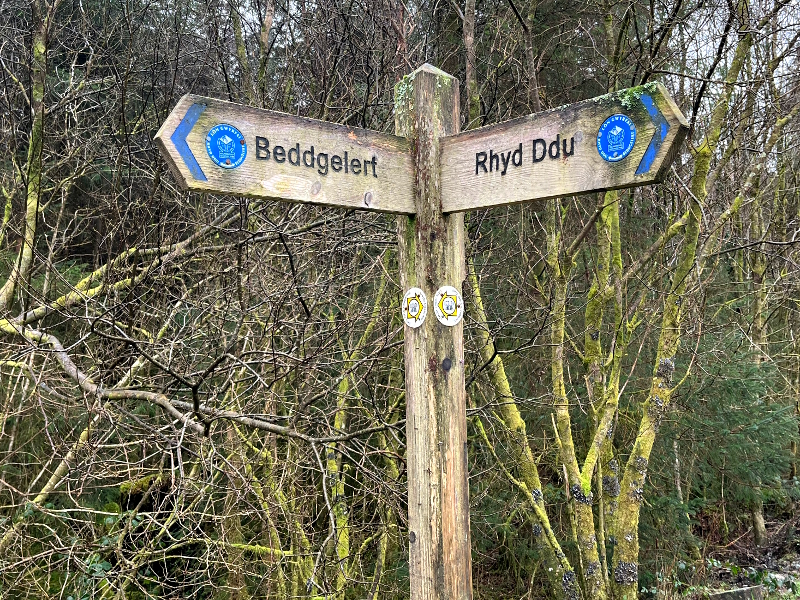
x: 629, y: 97
x: 404, y: 92
x: 445, y: 82
x: 404, y: 104
x: 140, y: 486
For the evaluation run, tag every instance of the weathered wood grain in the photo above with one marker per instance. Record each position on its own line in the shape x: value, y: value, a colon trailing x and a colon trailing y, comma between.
x: 584, y: 171
x: 386, y: 187
x: 431, y: 254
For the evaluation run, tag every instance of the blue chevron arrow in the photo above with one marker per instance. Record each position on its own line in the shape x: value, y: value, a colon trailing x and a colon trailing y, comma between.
x: 662, y: 127
x: 178, y: 138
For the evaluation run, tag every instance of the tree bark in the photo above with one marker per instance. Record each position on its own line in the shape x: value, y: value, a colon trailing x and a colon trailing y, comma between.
x: 514, y: 427
x: 626, y: 555
x: 473, y: 100
x: 580, y: 488
x: 42, y: 16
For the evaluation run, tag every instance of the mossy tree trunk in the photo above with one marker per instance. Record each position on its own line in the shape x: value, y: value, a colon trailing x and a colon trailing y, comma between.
x: 337, y: 468
x: 626, y: 554
x: 532, y: 59
x: 472, y: 106
x: 581, y: 498
x: 241, y: 55
x: 43, y: 15
x: 758, y: 269
x: 750, y: 194
x: 514, y: 430
x: 758, y: 257
x: 236, y: 586
x: 602, y: 375
x: 507, y: 411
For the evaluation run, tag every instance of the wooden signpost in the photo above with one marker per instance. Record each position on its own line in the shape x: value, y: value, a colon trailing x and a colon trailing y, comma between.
x: 428, y: 174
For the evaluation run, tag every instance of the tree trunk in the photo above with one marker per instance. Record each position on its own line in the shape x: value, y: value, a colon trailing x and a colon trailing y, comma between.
x: 626, y: 555
x: 22, y: 266
x: 534, y: 101
x: 513, y: 426
x: 473, y: 100
x: 580, y: 487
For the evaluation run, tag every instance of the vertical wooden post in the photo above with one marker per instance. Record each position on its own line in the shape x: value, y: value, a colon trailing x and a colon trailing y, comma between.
x: 431, y: 254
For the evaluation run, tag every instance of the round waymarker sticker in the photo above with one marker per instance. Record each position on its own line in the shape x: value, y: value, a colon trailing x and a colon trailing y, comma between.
x: 226, y: 146
x: 415, y: 307
x: 448, y: 306
x: 616, y: 137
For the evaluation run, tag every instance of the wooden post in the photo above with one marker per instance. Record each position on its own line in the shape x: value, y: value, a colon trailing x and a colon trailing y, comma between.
x: 431, y: 255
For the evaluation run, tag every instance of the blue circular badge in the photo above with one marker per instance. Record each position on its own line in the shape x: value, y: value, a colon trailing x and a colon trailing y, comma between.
x: 616, y: 138
x: 226, y: 146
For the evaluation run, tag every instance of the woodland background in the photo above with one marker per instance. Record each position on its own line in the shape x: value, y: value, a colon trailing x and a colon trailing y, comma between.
x: 633, y: 367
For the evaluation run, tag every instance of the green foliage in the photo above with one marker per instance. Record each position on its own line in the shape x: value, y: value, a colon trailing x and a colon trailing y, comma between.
x: 734, y: 435
x: 738, y: 427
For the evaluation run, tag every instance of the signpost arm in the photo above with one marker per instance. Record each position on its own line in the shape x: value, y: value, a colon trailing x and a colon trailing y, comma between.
x: 431, y: 254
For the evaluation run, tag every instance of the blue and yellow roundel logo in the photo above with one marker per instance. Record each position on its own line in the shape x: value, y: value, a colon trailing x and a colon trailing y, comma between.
x: 616, y: 138
x: 226, y: 146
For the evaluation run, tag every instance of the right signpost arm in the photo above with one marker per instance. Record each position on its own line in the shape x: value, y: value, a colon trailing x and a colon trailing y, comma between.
x: 623, y: 139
